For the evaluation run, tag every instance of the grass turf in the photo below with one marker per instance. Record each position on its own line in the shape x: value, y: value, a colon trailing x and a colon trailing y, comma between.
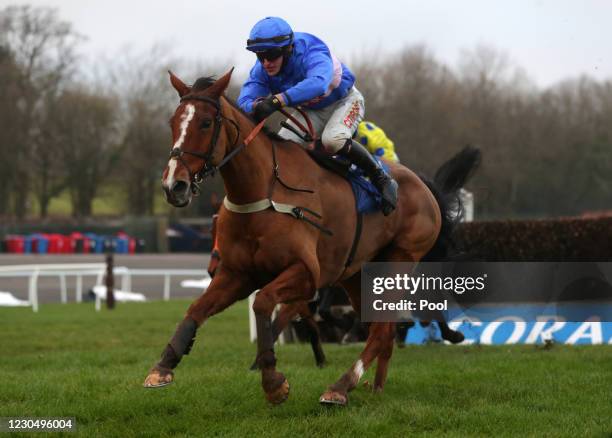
x: 68, y: 360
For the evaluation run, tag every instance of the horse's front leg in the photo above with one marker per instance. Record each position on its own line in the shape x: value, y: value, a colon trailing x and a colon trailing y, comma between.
x: 224, y: 290
x: 283, y: 317
x: 295, y: 283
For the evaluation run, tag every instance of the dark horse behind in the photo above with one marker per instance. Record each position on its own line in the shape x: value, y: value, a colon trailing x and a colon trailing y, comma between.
x: 266, y: 235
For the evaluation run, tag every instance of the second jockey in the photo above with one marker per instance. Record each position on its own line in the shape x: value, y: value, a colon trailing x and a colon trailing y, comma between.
x: 376, y: 141
x: 298, y: 69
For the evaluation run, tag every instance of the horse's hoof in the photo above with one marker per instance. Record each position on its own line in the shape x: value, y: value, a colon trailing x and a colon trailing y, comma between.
x: 333, y: 398
x: 280, y: 394
x: 454, y: 337
x: 376, y: 389
x: 158, y: 378
x: 322, y: 364
x: 254, y: 367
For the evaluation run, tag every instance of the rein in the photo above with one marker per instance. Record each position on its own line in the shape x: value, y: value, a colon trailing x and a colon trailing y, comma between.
x: 307, y: 134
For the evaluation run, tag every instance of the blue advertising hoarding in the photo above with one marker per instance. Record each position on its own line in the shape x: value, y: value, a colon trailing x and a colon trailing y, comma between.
x: 515, y: 324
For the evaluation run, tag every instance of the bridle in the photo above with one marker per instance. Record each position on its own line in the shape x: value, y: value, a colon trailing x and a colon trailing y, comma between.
x: 208, y: 169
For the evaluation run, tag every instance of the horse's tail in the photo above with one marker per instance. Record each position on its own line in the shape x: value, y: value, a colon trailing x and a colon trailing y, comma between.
x: 447, y: 182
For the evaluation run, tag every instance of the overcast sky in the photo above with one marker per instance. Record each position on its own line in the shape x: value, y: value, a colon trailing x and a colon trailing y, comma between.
x: 550, y: 39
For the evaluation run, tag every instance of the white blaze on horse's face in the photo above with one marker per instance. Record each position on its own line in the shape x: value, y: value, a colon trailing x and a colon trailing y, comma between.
x: 186, y: 118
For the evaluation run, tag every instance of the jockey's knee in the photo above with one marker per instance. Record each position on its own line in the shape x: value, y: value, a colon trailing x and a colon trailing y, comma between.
x: 333, y: 143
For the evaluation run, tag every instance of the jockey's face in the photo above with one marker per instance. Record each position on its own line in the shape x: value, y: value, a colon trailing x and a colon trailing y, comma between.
x: 274, y: 66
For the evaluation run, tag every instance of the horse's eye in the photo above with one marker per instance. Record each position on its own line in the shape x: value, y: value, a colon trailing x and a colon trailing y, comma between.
x: 205, y: 124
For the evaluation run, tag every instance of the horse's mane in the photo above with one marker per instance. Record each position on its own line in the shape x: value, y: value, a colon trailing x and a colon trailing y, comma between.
x: 204, y: 82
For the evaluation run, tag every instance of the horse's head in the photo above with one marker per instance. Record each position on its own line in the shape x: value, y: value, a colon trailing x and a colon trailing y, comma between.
x: 199, y: 141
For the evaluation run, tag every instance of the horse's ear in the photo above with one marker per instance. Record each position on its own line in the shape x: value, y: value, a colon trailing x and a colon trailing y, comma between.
x: 178, y: 85
x: 221, y: 84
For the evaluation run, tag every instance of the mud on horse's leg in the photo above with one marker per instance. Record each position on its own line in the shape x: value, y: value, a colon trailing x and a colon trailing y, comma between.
x: 295, y: 283
x: 225, y: 290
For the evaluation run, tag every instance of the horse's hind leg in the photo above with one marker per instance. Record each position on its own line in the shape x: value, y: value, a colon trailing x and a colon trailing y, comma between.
x: 315, y: 335
x: 384, y: 356
x: 452, y: 336
x: 380, y: 340
x: 379, y: 344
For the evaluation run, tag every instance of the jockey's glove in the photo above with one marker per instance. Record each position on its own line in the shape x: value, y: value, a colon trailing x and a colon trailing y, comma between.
x: 266, y: 107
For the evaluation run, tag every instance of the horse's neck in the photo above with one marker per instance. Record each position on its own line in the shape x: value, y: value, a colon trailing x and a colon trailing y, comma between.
x: 248, y: 175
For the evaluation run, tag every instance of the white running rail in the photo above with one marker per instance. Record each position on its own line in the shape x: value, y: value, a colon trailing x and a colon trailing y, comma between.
x: 80, y: 270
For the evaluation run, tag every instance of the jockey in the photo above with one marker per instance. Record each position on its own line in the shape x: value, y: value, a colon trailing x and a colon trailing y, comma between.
x: 376, y: 141
x: 298, y: 69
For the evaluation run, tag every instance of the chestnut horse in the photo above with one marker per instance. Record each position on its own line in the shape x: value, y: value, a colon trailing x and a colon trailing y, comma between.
x: 286, y: 258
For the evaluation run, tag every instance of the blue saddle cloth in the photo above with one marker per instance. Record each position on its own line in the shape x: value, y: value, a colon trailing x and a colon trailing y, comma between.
x: 367, y: 197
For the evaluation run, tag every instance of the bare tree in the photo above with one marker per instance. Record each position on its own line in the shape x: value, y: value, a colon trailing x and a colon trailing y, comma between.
x: 9, y: 134
x: 42, y: 47
x: 140, y: 83
x: 83, y: 128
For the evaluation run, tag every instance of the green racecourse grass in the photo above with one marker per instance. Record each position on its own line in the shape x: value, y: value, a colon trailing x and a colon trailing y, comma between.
x: 70, y: 361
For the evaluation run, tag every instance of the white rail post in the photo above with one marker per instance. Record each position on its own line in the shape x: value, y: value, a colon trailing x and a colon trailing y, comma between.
x: 467, y: 199
x: 33, y: 290
x: 98, y: 303
x: 79, y: 288
x: 167, y: 287
x: 63, y: 289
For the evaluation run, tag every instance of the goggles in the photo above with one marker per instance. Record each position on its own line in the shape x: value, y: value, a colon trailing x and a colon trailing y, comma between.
x: 270, y: 55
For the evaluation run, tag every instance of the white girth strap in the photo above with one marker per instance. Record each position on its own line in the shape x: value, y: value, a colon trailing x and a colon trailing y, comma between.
x: 261, y: 205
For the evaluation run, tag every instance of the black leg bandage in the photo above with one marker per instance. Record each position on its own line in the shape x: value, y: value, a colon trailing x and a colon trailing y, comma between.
x: 265, y: 342
x: 180, y: 344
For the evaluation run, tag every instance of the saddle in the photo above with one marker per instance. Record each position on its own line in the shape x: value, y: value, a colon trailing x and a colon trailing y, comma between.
x: 367, y: 197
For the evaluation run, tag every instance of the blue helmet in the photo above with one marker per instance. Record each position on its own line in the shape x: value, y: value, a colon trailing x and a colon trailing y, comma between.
x: 269, y: 33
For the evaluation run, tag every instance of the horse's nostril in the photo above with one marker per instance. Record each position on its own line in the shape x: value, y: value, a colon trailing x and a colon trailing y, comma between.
x: 179, y: 187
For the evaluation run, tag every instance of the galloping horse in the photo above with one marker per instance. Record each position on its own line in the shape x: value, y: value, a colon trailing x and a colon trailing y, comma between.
x: 276, y: 249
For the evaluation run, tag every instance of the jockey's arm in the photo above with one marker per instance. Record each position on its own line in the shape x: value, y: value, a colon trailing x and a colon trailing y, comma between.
x: 319, y: 74
x: 253, y: 89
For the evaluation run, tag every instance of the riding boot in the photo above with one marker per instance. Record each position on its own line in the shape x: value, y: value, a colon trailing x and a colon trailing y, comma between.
x: 386, y: 185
